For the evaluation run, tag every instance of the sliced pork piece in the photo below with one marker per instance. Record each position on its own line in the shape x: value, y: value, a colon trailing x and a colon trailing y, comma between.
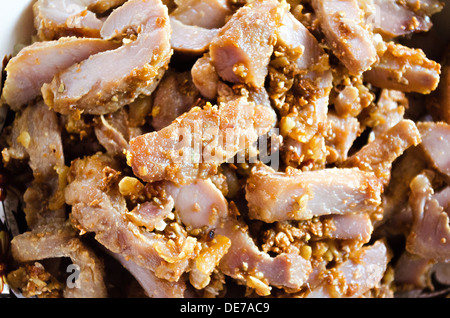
x: 205, y: 77
x: 107, y: 81
x: 195, y: 23
x: 205, y: 14
x: 430, y: 231
x: 197, y: 142
x: 153, y: 286
x: 340, y: 136
x: 293, y: 35
x: 392, y: 19
x: 36, y: 139
x: 200, y: 204
x: 379, y: 154
x: 405, y: 69
x: 99, y: 207
x: 37, y: 63
x: 350, y: 40
x: 175, y: 95
x: 243, y: 47
x: 436, y: 144
x: 55, y: 241
x: 65, y: 18
x: 354, y: 226
x: 190, y: 38
x: 356, y: 276
x: 295, y: 195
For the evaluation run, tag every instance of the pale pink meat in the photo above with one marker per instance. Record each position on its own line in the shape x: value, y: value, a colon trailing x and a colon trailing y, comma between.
x: 107, y: 81
x: 405, y: 69
x: 242, y: 49
x: 153, y: 286
x: 205, y: 77
x: 99, y: 207
x: 296, y: 37
x: 295, y: 195
x: 205, y: 14
x: 38, y: 63
x: 341, y: 134
x: 350, y: 40
x: 197, y: 142
x: 352, y: 226
x: 430, y: 231
x: 393, y: 19
x: 436, y: 144
x: 69, y: 17
x: 190, y: 38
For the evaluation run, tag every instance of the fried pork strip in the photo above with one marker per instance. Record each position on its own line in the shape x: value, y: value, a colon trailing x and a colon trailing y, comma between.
x: 197, y: 142
x: 405, y: 69
x: 53, y: 20
x: 351, y: 41
x: 242, y: 49
x: 107, y: 81
x: 378, y: 155
x: 37, y: 63
x: 295, y: 195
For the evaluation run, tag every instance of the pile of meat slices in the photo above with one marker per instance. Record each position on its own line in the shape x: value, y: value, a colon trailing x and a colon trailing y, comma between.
x: 113, y: 99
